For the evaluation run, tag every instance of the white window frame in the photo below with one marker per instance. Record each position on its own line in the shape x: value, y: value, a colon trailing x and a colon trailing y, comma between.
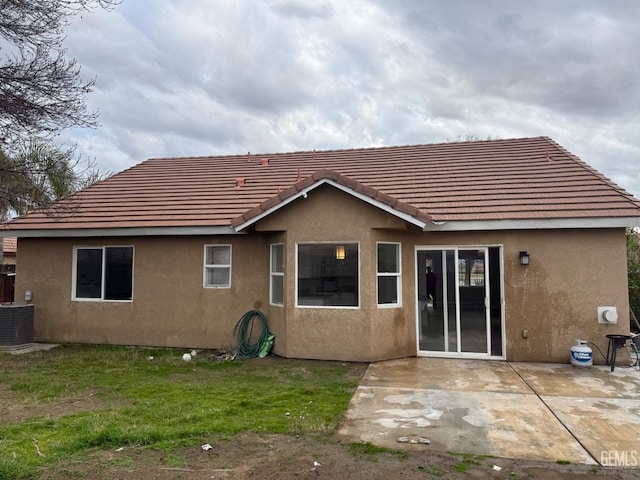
x: 398, y: 276
x: 332, y: 307
x: 74, y: 273
x: 215, y: 265
x: 273, y: 273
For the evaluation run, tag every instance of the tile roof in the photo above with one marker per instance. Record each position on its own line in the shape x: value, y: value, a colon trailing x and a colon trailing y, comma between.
x: 9, y: 246
x: 527, y: 178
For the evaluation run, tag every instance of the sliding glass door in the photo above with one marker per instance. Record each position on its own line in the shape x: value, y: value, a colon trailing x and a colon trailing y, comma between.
x: 458, y: 314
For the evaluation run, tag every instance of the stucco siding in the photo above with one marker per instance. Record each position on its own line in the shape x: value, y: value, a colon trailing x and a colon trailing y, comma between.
x: 554, y: 299
x: 170, y: 307
x: 328, y: 333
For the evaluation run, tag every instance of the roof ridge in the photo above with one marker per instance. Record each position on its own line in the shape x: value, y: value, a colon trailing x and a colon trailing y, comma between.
x: 259, y: 155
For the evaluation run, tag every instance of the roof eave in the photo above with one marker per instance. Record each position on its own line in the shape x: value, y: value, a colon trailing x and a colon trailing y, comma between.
x: 117, y: 232
x: 532, y: 224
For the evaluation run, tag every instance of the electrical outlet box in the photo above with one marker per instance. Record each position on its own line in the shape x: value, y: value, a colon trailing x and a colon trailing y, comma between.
x: 607, y: 315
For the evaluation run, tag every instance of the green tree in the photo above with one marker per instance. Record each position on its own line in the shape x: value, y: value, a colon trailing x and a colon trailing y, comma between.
x: 633, y: 273
x: 41, y: 173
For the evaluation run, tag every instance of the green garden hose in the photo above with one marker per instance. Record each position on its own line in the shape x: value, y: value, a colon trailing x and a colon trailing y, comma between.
x: 244, y: 331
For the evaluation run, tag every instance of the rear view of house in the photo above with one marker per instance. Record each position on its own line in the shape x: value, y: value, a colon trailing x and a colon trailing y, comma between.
x: 504, y: 249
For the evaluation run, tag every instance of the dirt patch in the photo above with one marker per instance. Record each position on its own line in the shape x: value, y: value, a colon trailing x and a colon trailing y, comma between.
x: 15, y: 412
x: 309, y: 457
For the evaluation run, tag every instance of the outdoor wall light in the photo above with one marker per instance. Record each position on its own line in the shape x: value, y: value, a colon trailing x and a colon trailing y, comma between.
x: 524, y: 258
x: 340, y: 252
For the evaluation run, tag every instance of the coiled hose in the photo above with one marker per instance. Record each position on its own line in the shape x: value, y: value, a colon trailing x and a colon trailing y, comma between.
x: 244, y: 332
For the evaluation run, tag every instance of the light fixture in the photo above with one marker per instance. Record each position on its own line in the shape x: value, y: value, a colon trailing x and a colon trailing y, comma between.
x: 340, y: 252
x: 524, y: 258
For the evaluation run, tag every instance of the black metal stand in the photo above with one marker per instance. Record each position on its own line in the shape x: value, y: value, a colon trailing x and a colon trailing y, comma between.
x: 616, y: 341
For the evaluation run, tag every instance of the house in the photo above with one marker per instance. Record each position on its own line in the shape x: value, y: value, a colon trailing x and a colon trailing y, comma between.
x: 7, y: 269
x: 526, y: 241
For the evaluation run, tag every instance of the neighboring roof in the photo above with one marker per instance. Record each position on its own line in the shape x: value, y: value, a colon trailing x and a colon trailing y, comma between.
x: 476, y: 183
x: 9, y: 246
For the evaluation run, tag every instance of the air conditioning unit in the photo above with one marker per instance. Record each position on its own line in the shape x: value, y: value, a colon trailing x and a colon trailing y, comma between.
x: 16, y: 325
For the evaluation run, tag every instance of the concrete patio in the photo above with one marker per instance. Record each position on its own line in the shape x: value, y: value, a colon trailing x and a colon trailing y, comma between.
x: 545, y: 412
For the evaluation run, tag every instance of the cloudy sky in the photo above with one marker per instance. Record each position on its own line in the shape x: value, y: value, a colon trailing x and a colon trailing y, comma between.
x: 203, y: 77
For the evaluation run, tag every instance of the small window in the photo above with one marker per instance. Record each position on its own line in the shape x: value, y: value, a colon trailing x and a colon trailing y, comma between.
x: 389, y: 274
x: 328, y: 275
x: 277, y: 274
x: 217, y: 266
x: 103, y: 273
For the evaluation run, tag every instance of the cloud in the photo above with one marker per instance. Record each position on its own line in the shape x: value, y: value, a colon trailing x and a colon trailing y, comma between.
x: 199, y: 78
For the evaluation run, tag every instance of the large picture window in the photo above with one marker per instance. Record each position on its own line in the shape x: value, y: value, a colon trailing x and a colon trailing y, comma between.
x: 103, y: 273
x: 217, y: 266
x: 389, y: 274
x: 328, y: 275
x: 277, y: 274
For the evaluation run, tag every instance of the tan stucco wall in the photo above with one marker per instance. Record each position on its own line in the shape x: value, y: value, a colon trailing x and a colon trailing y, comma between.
x: 572, y: 272
x: 555, y: 298
x: 337, y: 333
x: 170, y: 307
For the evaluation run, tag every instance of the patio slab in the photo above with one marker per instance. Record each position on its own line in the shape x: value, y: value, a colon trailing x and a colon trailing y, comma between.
x: 28, y: 348
x: 545, y: 412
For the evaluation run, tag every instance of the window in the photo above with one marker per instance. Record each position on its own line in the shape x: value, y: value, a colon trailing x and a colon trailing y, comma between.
x: 217, y: 266
x: 103, y: 273
x: 328, y: 275
x: 277, y: 274
x: 389, y: 285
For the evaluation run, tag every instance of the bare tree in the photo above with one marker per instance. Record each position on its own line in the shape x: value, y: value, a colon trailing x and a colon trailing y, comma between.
x: 41, y: 90
x: 41, y: 94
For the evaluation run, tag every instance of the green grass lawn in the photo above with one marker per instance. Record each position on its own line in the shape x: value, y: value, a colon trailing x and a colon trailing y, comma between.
x: 70, y: 401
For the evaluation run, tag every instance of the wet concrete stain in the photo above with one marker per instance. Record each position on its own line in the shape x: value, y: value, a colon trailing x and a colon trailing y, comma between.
x: 529, y: 411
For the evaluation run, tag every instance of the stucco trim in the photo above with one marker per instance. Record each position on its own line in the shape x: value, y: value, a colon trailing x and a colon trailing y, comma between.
x: 532, y: 224
x: 325, y: 181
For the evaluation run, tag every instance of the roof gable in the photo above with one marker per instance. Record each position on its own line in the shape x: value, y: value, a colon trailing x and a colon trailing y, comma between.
x: 369, y: 195
x: 464, y: 185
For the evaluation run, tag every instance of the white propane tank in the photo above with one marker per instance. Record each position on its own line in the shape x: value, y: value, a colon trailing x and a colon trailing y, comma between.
x: 581, y: 354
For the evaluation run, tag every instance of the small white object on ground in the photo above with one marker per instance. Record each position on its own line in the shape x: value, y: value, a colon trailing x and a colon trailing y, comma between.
x: 497, y: 468
x: 206, y: 447
x: 186, y: 357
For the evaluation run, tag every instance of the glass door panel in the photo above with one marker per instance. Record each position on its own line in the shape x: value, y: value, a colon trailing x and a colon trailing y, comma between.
x: 454, y: 300
x: 472, y: 301
x: 450, y: 305
x: 432, y: 316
